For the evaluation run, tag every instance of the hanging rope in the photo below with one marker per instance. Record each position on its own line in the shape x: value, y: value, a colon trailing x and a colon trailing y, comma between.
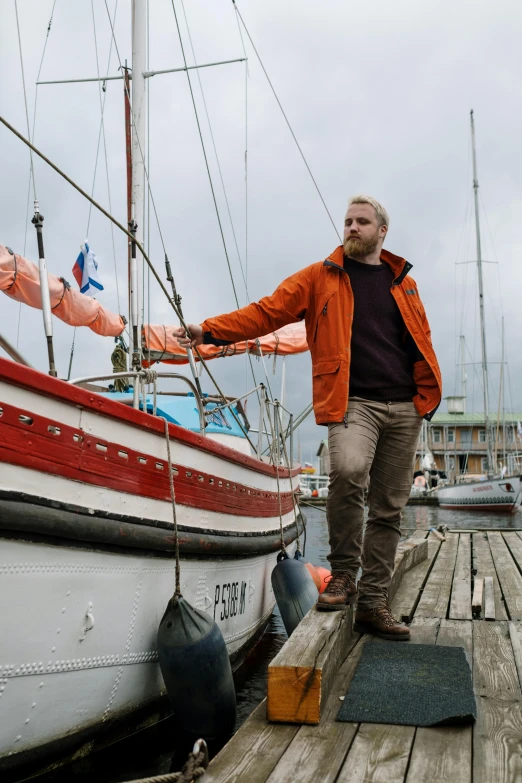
x: 281, y: 439
x: 276, y: 460
x: 177, y: 591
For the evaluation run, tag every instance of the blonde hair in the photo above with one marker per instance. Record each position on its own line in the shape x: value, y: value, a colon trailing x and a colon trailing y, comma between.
x: 382, y: 215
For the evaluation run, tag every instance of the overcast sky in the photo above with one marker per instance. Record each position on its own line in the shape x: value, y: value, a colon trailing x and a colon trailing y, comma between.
x: 378, y: 95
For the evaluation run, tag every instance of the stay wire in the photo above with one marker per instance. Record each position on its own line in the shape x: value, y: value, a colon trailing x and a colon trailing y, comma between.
x: 34, y: 115
x: 205, y: 155
x: 287, y: 121
x: 214, y: 147
x: 25, y: 96
x: 243, y: 273
x: 31, y: 164
x: 100, y: 134
x: 142, y: 156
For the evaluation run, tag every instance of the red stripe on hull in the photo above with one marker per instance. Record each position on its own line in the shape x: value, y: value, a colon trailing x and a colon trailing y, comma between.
x: 60, y: 450
x: 18, y: 375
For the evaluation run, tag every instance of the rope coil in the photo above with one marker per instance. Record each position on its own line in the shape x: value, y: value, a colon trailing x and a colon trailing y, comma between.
x: 193, y: 768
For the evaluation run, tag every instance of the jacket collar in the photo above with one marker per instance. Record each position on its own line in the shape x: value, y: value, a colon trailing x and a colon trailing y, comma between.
x: 400, y: 267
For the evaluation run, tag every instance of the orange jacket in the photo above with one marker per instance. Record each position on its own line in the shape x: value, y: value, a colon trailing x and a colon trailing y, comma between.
x: 322, y: 295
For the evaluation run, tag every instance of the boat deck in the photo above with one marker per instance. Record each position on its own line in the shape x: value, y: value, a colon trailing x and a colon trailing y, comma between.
x: 436, y: 596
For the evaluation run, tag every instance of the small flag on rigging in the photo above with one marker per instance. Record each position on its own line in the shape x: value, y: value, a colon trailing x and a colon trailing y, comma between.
x: 85, y: 271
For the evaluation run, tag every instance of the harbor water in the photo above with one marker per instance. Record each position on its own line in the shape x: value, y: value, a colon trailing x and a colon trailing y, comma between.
x: 153, y: 751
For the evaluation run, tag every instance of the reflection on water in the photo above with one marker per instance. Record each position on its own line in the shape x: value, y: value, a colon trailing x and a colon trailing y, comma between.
x: 154, y: 752
x: 424, y: 517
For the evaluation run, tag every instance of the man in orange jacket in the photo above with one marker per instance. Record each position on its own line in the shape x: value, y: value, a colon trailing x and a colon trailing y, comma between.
x: 375, y: 376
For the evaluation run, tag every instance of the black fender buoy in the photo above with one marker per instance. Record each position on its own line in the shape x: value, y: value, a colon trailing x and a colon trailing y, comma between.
x: 294, y: 590
x: 196, y: 670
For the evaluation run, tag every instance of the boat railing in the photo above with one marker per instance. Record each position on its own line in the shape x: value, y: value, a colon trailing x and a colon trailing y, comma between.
x: 143, y: 378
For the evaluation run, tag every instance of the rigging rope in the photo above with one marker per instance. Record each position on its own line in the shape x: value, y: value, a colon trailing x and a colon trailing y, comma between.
x: 142, y: 156
x: 25, y: 98
x: 287, y: 120
x: 243, y: 271
x: 205, y: 155
x: 281, y: 438
x: 215, y: 152
x: 101, y: 133
x: 177, y: 591
x: 33, y: 132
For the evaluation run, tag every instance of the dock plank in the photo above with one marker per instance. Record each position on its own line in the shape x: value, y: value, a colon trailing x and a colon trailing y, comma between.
x: 252, y: 753
x: 515, y: 547
x: 441, y: 754
x: 411, y: 552
x: 515, y: 634
x: 489, y: 599
x: 435, y: 597
x: 497, y: 754
x: 317, y: 752
x: 410, y: 589
x: 444, y: 753
x: 478, y: 597
x: 379, y: 753
x: 460, y: 601
x: 484, y: 566
x: 509, y: 576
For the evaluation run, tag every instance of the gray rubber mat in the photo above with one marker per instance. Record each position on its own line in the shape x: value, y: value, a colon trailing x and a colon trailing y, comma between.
x: 410, y: 685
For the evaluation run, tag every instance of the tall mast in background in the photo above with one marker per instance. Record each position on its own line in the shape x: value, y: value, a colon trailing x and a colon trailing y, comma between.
x: 481, y: 304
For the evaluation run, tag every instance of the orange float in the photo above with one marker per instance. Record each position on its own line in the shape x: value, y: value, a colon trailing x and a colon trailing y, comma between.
x: 319, y: 574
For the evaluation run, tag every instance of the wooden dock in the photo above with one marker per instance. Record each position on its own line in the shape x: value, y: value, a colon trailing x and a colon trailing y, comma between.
x: 467, y: 592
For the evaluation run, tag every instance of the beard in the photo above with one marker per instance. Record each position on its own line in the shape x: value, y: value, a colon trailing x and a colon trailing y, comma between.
x: 359, y: 248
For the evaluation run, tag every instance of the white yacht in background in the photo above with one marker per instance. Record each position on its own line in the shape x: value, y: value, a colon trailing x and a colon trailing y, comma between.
x: 490, y: 493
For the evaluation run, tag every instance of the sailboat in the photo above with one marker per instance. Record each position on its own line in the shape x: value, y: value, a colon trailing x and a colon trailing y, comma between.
x: 495, y: 493
x: 86, y: 508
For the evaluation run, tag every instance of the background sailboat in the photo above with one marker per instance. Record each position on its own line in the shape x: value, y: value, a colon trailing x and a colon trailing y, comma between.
x: 497, y: 493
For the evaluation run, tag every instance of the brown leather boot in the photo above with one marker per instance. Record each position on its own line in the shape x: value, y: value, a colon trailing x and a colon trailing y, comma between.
x: 340, y: 591
x: 379, y: 621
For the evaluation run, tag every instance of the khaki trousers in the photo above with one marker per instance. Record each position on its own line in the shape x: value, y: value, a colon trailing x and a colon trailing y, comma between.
x: 377, y: 448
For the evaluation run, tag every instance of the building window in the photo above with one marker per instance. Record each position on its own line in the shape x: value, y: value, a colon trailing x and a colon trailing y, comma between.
x: 484, y: 464
x: 482, y: 436
x: 465, y: 438
x: 451, y: 436
x: 437, y: 436
x: 510, y: 434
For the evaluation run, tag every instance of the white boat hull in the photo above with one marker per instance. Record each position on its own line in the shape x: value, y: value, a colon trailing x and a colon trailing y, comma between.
x: 498, y: 495
x: 87, y: 566
x: 79, y: 631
